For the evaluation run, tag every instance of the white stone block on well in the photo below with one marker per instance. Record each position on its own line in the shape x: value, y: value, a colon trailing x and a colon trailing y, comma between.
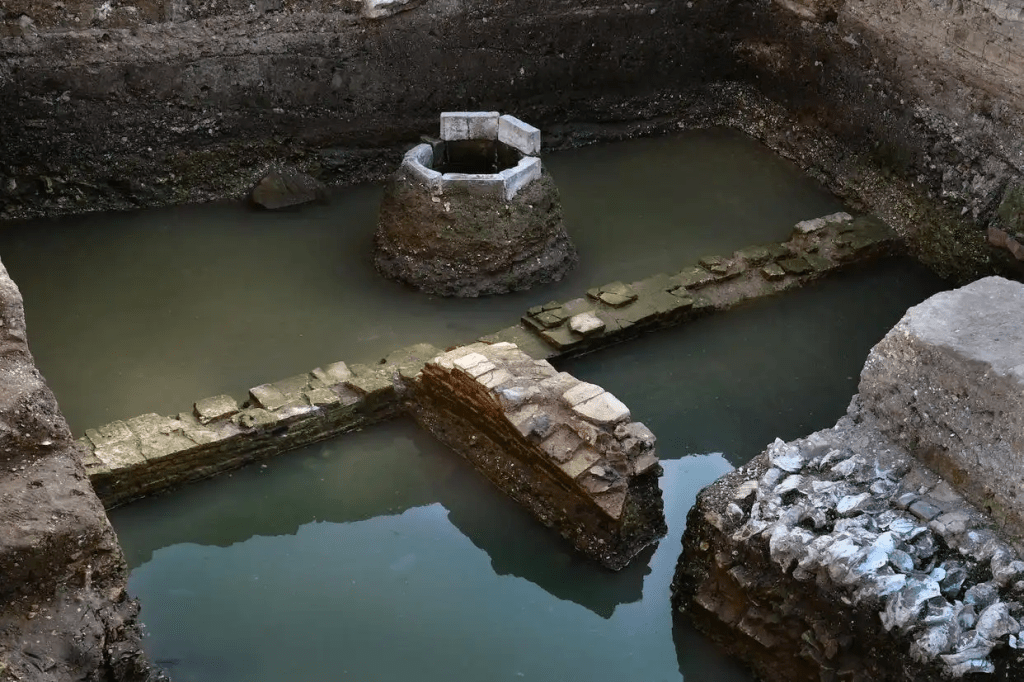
x: 421, y: 153
x: 469, y: 125
x: 523, y: 173
x: 518, y: 134
x: 490, y: 185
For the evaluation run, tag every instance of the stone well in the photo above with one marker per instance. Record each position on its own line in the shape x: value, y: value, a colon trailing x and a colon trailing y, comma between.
x: 474, y: 212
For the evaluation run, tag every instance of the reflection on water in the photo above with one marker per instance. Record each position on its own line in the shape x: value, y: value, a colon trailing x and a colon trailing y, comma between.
x: 149, y: 311
x: 381, y: 555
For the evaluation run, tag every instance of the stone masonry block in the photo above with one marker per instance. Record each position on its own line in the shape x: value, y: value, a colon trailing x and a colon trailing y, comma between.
x: 469, y: 125
x: 518, y: 134
x: 490, y: 185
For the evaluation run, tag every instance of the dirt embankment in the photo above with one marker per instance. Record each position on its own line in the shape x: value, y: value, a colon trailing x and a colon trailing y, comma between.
x: 64, y: 614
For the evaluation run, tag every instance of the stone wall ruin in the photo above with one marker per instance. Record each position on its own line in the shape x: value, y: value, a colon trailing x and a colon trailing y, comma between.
x: 842, y: 555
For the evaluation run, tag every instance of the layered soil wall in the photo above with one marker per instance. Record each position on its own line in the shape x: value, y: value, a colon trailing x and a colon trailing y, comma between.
x: 910, y: 111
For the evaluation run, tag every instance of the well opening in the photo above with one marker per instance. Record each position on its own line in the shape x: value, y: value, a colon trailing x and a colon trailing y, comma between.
x: 477, y: 157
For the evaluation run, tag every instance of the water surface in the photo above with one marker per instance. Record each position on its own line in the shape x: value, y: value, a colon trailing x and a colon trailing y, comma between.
x: 381, y: 555
x: 150, y: 311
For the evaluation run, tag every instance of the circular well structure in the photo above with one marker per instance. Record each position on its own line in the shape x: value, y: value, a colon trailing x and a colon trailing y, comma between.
x: 473, y: 213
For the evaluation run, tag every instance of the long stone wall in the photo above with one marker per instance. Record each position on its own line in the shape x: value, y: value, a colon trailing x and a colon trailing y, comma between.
x: 143, y: 455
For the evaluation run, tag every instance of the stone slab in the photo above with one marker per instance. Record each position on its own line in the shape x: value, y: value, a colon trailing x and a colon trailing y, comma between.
x: 520, y: 175
x: 216, y: 407
x: 469, y: 125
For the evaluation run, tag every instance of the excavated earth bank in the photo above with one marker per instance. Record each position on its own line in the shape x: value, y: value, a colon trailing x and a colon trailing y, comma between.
x: 64, y: 614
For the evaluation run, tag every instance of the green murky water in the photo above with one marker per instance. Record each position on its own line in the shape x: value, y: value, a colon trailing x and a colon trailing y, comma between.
x: 380, y: 555
x: 151, y: 311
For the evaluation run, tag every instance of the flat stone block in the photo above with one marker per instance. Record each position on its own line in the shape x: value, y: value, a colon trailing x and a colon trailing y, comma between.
x: 518, y: 134
x: 693, y: 277
x: 217, y: 407
x: 773, y: 272
x: 492, y: 185
x: 586, y: 324
x: 334, y: 373
x: 255, y: 418
x: 409, y: 361
x: 817, y: 224
x: 604, y: 409
x: 561, y: 337
x: 716, y: 265
x: 795, y: 266
x: 583, y: 459
x: 754, y: 255
x: 120, y: 456
x: 268, y: 396
x: 370, y: 381
x: 109, y: 434
x: 320, y: 397
x: 469, y: 125
x: 581, y: 392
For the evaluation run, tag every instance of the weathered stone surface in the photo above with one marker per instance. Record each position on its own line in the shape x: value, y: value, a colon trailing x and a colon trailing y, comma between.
x: 551, y: 442
x: 463, y: 243
x: 819, y: 570
x: 64, y: 614
x: 281, y: 188
x: 586, y: 323
x: 217, y: 407
x: 948, y: 381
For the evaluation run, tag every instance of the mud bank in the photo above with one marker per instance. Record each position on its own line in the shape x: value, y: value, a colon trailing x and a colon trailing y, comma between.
x: 64, y: 614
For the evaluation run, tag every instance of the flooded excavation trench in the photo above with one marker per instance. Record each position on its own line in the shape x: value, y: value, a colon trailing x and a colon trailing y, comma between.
x: 380, y: 555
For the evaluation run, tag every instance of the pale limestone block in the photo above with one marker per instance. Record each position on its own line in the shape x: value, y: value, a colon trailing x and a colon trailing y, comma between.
x: 603, y: 409
x: 469, y: 125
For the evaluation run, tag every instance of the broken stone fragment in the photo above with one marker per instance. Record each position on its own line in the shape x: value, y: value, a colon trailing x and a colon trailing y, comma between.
x: 334, y: 373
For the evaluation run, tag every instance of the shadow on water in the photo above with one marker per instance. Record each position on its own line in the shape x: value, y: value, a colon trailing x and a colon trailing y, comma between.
x: 384, y: 471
